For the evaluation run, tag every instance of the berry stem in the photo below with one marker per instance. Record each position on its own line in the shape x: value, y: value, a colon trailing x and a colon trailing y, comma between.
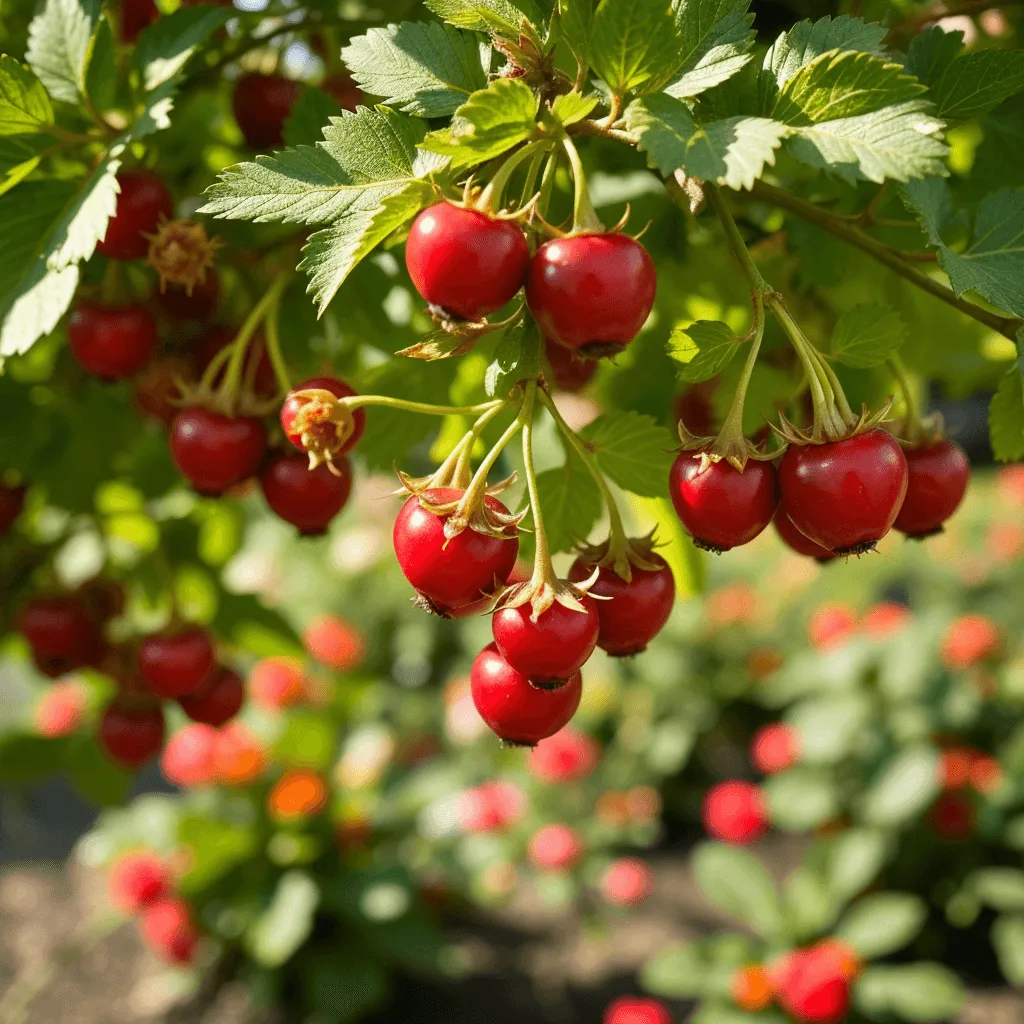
x: 490, y: 198
x: 912, y: 415
x: 584, y: 216
x: 735, y: 240
x: 543, y: 570
x: 468, y: 443
x: 274, y: 348
x: 477, y: 489
x: 389, y: 402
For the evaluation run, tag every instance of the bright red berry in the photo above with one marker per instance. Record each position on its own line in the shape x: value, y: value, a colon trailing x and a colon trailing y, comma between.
x: 844, y: 495
x: 190, y: 757
x: 142, y: 200
x: 277, y: 683
x: 938, y: 477
x: 215, y: 452
x: 465, y: 263
x: 551, y: 649
x: 138, y: 880
x: 637, y: 610
x: 954, y: 767
x: 12, y: 502
x: 555, y: 848
x: 60, y: 631
x: 307, y: 498
x: 628, y: 1010
x: 333, y: 642
x: 217, y: 702
x: 627, y: 882
x: 111, y: 342
x: 177, y: 663
x: 721, y: 507
x: 814, y: 987
x: 261, y: 104
x: 795, y: 540
x: 169, y: 931
x: 241, y: 757
x: 60, y: 709
x: 516, y: 711
x: 199, y: 305
x: 735, y: 812
x: 456, y: 572
x: 568, y: 756
x: 571, y: 371
x: 591, y: 293
x: 131, y: 734
x: 987, y: 774
x: 969, y: 640
x: 775, y: 748
x: 491, y: 807
x: 322, y: 436
x: 885, y: 619
x: 831, y: 625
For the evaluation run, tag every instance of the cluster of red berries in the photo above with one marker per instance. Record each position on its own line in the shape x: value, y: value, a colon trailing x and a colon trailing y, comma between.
x: 965, y: 774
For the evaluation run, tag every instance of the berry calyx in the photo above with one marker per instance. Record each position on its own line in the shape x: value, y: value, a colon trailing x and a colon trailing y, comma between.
x: 175, y: 664
x: 311, y: 425
x: 591, y: 292
x: 513, y: 709
x: 261, y: 104
x: 60, y: 631
x: 169, y: 931
x: 142, y: 200
x: 796, y: 541
x: 555, y: 848
x: 844, y: 495
x: 217, y: 702
x: 307, y: 498
x: 938, y: 474
x: 215, y: 452
x: 465, y: 263
x: 735, y: 812
x: 190, y: 757
x: 775, y: 748
x: 181, y: 254
x: 627, y: 882
x: 157, y: 390
x: 111, y: 342
x: 571, y: 371
x: 138, y: 880
x: 131, y: 734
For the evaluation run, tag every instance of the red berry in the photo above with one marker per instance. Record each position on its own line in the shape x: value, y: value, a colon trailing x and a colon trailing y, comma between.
x: 307, y: 498
x: 831, y: 625
x: 721, y: 507
x: 261, y: 104
x: 217, y: 702
x: 555, y: 848
x: 794, y: 539
x: 323, y: 436
x: 952, y: 816
x: 111, y: 342
x: 551, y: 649
x: 954, y: 767
x: 343, y: 91
x: 735, y: 812
x: 627, y: 882
x: 938, y: 476
x: 465, y: 263
x: 775, y: 748
x: 241, y: 757
x: 176, y: 664
x: 62, y: 634
x: 568, y: 756
x: 215, y: 452
x: 987, y: 774
x: 142, y: 200
x: 157, y: 390
x: 60, y: 709
x: 333, y: 642
x: 968, y: 640
x: 637, y: 610
x: 571, y: 371
x: 696, y: 408
x: 844, y: 495
x: 814, y: 986
x: 12, y: 502
x: 885, y: 619
x: 513, y: 709
x: 138, y: 880
x: 491, y: 807
x: 456, y: 572
x: 178, y: 304
x: 169, y: 931
x: 135, y: 16
x: 190, y: 757
x: 276, y: 683
x: 131, y: 735
x: 591, y: 293
x: 628, y: 1010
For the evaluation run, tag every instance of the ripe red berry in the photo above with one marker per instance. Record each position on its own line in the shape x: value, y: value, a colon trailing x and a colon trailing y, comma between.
x: 131, y: 734
x: 987, y: 774
x: 628, y: 1010
x: 637, y: 610
x: 60, y: 631
x: 844, y: 495
x: 571, y: 371
x: 169, y: 931
x: 465, y: 263
x: 217, y: 702
x: 456, y: 572
x: 555, y: 848
x: 938, y: 476
x: 333, y: 642
x: 952, y: 816
x: 307, y: 498
x: 491, y: 807
x: 513, y: 709
x: 12, y: 502
x: 60, y: 709
x: 794, y: 539
x: 969, y: 640
x: 142, y: 200
x: 721, y: 507
x: 814, y: 986
x: 551, y: 649
x: 175, y: 664
x: 138, y: 880
x: 322, y: 436
x: 241, y: 757
x: 591, y: 293
x: 157, y: 391
x: 775, y: 748
x: 190, y: 757
x: 735, y: 812
x: 178, y: 304
x: 276, y: 683
x: 135, y: 16
x: 568, y: 756
x: 627, y: 882
x: 884, y: 620
x: 343, y: 91
x: 215, y: 452
x: 831, y: 625
x: 261, y: 104
x: 111, y: 342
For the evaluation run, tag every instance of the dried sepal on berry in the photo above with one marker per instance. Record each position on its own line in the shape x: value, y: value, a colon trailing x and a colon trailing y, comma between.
x: 323, y: 422
x: 622, y: 558
x: 542, y: 595
x: 181, y: 253
x: 736, y: 451
x: 864, y: 422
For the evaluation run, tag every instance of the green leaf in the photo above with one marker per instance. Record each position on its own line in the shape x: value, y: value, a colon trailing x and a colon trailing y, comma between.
x: 1006, y: 416
x: 931, y: 52
x: 853, y: 861
x: 279, y: 932
x: 59, y: 45
x: 1008, y: 940
x: 632, y: 450
x: 516, y: 358
x: 830, y: 726
x: 929, y: 201
x: 634, y: 47
x: 342, y: 985
x: 570, y: 501
x: 305, y: 123
x: 688, y: 564
x: 680, y: 972
x: 571, y: 107
x: 915, y: 992
x: 800, y: 799
x: 24, y: 104
x: 866, y: 336
x: 84, y: 220
x: 485, y: 15
x: 19, y: 157
x: 882, y: 923
x: 574, y: 20
x: 165, y: 47
x: 215, y: 849
x: 906, y: 787
x: 704, y: 348
x: 739, y: 883
x: 422, y: 68
x: 488, y: 124
x: 717, y: 36
x: 999, y: 888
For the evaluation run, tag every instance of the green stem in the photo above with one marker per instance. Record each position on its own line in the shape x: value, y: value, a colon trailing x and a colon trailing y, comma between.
x: 731, y: 441
x: 274, y: 348
x: 584, y: 216
x: 547, y: 183
x: 358, y: 401
x: 531, y: 177
x: 735, y: 240
x: 543, y: 570
x: 912, y: 418
x: 477, y: 488
x: 468, y: 443
x: 490, y: 198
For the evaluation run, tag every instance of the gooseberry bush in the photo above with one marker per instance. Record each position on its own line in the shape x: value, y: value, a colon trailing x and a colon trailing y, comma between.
x: 604, y: 286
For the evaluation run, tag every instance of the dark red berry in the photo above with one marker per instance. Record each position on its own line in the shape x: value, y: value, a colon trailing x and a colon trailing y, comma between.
x: 218, y: 701
x: 721, y: 507
x: 111, y: 342
x: 307, y: 498
x: 324, y: 434
x: 696, y: 407
x: 465, y: 263
x: 175, y: 664
x: 937, y: 482
x: 343, y: 91
x: 551, y: 649
x: 456, y: 572
x: 591, y: 293
x: 142, y: 201
x: 215, y: 452
x: 794, y: 539
x: 176, y: 302
x: 637, y: 610
x: 137, y: 880
x: 571, y: 371
x: 12, y: 501
x: 512, y: 708
x: 169, y: 931
x: 262, y: 104
x: 135, y: 16
x: 131, y: 735
x: 157, y: 390
x: 62, y: 634
x: 844, y: 495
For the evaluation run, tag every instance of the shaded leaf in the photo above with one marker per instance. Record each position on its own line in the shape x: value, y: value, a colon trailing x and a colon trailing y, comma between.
x: 717, y: 36
x: 310, y: 113
x: 634, y: 47
x: 703, y: 348
x: 867, y: 335
x: 632, y: 450
x: 278, y: 933
x: 1006, y: 416
x: 516, y: 358
x: 908, y: 785
x: 164, y: 48
x: 570, y: 503
x: 24, y: 104
x: 914, y: 992
x: 739, y: 883
x: 882, y: 923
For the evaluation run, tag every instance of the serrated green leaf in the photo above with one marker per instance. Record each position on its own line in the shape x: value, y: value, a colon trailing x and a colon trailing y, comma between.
x: 570, y: 503
x: 704, y: 349
x: 634, y: 47
x: 19, y: 157
x: 930, y: 202
x: 285, y: 925
x: 422, y: 68
x: 24, y: 104
x: 516, y: 358
x: 571, y: 107
x: 1006, y: 416
x: 305, y: 123
x: 867, y: 335
x: 59, y: 43
x: 574, y: 19
x: 1008, y: 940
x: 717, y: 36
x: 739, y: 883
x: 165, y: 47
x: 906, y: 786
x: 488, y: 124
x: 912, y: 992
x: 882, y: 923
x: 84, y: 221
x: 632, y: 450
x: 485, y: 15
x: 931, y: 52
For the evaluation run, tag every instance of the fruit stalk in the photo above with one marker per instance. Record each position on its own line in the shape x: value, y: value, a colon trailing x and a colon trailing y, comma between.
x: 274, y: 348
x: 911, y: 417
x: 584, y: 216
